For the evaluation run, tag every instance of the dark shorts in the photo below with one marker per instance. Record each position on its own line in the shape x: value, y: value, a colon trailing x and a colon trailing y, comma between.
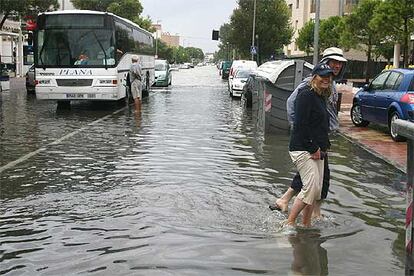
x: 297, y: 182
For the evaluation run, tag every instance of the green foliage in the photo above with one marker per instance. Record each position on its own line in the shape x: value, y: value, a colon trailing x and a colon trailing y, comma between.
x: 395, y: 19
x: 305, y: 37
x: 330, y: 31
x: 93, y: 5
x: 129, y: 9
x: 358, y: 33
x: 164, y: 51
x: 25, y: 8
x: 272, y: 26
x: 385, y: 50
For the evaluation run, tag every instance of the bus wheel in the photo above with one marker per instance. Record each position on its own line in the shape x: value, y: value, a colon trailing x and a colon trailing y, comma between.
x: 63, y: 105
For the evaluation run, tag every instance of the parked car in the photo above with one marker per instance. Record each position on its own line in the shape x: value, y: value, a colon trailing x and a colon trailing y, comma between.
x: 388, y: 97
x: 239, y: 81
x: 163, y: 76
x: 240, y: 64
x: 225, y: 69
x: 30, y: 80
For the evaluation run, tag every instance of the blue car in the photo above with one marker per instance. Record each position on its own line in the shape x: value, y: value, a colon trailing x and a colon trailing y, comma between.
x: 388, y: 97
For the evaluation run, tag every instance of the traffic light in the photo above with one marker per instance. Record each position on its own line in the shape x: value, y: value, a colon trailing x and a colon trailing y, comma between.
x: 215, y: 35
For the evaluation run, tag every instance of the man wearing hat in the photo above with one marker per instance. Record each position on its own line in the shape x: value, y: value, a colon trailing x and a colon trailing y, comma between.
x: 135, y: 75
x: 334, y: 58
x: 309, y: 140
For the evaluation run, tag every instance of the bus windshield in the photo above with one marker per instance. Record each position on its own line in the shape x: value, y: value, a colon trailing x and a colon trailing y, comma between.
x: 75, y: 47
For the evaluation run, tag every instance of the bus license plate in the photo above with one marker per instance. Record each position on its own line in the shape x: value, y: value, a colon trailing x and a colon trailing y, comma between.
x: 74, y: 96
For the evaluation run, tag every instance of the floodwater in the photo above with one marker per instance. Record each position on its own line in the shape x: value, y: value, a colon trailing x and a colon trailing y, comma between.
x: 182, y: 189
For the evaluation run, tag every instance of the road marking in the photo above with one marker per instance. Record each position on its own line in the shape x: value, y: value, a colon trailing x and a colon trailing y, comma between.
x: 56, y: 142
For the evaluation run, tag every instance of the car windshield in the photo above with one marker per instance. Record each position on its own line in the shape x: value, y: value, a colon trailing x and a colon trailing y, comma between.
x: 242, y: 74
x: 160, y: 66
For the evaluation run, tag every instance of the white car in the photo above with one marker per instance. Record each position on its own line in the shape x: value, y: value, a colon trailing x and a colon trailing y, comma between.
x: 239, y: 81
x: 240, y: 64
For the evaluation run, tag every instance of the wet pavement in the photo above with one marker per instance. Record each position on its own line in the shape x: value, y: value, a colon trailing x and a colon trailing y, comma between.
x: 182, y: 189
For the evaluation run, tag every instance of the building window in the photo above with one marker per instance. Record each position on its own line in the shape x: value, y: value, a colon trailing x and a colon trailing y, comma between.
x: 296, y: 25
x: 297, y: 4
x: 290, y: 9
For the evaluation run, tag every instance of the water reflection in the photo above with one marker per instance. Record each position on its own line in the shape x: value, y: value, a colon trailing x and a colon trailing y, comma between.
x: 309, y: 257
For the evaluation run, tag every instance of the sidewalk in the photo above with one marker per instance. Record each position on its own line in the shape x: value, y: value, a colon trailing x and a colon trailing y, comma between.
x: 374, y: 141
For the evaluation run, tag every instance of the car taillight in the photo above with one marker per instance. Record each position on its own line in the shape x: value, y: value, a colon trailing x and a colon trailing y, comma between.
x: 36, y: 82
x: 407, y: 98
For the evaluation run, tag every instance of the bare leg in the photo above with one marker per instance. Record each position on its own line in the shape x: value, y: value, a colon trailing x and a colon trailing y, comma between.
x: 307, y: 215
x: 298, y: 206
x: 137, y: 103
x: 283, y: 202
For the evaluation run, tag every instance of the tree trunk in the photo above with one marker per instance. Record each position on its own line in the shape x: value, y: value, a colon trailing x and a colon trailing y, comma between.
x: 3, y: 19
x: 405, y: 47
x: 368, y: 71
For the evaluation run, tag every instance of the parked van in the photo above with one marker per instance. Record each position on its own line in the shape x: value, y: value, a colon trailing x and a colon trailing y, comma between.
x: 240, y: 64
x: 163, y: 76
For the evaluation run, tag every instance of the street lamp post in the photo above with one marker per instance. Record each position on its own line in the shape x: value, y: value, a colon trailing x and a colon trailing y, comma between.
x: 254, y: 28
x: 156, y: 40
x: 316, y: 33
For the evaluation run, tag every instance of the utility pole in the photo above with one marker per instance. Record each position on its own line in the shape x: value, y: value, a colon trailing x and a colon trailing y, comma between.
x: 254, y: 28
x: 316, y: 33
x: 341, y: 7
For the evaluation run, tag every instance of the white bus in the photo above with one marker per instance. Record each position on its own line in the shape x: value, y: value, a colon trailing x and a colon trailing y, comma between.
x: 86, y: 55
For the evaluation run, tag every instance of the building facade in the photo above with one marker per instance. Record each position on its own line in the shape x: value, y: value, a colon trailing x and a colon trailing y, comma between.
x: 167, y: 38
x: 303, y: 11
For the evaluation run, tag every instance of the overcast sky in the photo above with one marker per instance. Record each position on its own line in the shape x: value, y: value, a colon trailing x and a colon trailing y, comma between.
x: 192, y: 20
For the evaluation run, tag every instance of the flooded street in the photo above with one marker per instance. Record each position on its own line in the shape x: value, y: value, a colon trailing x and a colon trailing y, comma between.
x: 183, y: 189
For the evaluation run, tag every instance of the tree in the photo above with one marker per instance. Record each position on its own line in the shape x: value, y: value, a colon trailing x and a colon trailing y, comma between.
x: 305, y: 37
x: 395, y: 19
x: 180, y: 55
x: 195, y: 53
x: 25, y: 8
x: 272, y: 26
x: 385, y: 49
x: 129, y: 9
x: 164, y: 51
x: 358, y: 34
x: 330, y: 32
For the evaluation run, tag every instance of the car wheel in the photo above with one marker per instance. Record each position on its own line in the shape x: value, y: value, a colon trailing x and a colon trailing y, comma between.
x: 356, y: 116
x: 393, y: 130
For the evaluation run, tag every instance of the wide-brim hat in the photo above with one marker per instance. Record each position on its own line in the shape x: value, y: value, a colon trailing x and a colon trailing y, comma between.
x: 322, y: 69
x: 333, y: 53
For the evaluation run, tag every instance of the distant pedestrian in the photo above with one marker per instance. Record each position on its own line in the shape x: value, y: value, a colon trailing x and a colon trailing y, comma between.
x: 309, y: 140
x: 135, y: 75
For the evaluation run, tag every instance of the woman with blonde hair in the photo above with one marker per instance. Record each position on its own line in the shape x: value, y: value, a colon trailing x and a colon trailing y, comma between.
x: 309, y: 141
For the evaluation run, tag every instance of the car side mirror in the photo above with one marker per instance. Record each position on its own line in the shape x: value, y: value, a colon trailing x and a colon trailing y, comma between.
x: 365, y: 87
